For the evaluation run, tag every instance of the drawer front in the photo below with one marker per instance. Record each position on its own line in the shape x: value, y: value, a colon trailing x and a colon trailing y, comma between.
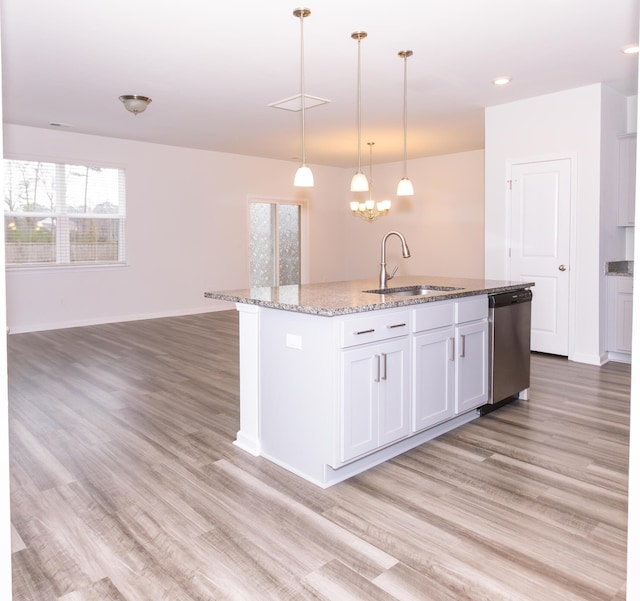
x: 372, y: 328
x: 431, y: 316
x: 472, y: 309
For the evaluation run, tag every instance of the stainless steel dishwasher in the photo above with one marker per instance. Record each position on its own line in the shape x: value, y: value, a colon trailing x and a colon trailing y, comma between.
x: 509, y: 347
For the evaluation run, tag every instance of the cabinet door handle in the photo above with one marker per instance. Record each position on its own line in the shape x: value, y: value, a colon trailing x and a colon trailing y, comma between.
x: 384, y: 366
x: 377, y: 378
x: 462, y: 345
x: 397, y: 325
x: 452, y: 345
x: 365, y: 331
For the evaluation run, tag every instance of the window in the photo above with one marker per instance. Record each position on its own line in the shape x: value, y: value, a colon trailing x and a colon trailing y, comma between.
x: 275, y: 243
x: 58, y: 214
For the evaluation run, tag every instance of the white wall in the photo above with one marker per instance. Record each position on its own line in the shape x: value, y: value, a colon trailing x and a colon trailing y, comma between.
x: 187, y: 231
x: 443, y: 223
x: 562, y: 124
x: 5, y: 515
x: 187, y: 227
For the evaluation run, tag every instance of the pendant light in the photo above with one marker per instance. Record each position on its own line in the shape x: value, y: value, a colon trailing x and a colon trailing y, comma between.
x: 359, y: 182
x: 304, y: 176
x: 405, y: 187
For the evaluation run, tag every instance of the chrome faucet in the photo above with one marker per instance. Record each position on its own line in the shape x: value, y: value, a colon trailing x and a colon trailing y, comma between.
x: 384, y: 276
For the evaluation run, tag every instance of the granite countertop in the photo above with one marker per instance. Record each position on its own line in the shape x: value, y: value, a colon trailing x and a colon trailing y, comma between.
x: 619, y: 268
x: 341, y: 298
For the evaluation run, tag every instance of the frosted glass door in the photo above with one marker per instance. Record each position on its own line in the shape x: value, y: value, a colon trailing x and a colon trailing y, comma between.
x: 275, y: 244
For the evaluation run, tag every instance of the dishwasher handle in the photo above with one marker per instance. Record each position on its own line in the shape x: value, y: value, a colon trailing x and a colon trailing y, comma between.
x: 504, y: 299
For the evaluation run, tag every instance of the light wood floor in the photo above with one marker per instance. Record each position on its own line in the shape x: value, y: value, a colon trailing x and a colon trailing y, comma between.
x: 126, y: 486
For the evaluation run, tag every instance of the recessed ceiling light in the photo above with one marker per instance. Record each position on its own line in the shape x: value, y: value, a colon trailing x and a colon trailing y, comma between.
x: 631, y: 49
x: 501, y: 81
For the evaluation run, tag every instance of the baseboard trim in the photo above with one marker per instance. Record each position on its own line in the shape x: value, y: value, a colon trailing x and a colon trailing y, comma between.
x: 97, y: 321
x: 619, y: 357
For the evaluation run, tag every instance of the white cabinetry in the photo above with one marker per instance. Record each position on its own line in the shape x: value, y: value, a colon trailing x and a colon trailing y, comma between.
x: 450, y: 360
x: 335, y: 396
x: 375, y: 383
x: 433, y: 378
x: 626, y: 179
x: 375, y: 397
x: 620, y: 313
x: 472, y: 371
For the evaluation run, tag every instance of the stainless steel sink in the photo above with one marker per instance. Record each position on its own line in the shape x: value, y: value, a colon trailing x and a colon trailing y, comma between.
x: 413, y: 290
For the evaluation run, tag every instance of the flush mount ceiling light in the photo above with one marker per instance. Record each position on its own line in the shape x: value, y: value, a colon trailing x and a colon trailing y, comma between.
x: 304, y: 176
x: 135, y: 104
x: 631, y: 49
x: 501, y: 81
x: 359, y: 181
x: 405, y: 187
x: 369, y: 209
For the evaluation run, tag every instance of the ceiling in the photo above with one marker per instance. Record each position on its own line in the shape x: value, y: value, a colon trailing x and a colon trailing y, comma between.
x: 213, y: 68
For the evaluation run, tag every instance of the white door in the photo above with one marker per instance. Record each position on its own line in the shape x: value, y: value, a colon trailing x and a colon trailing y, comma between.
x: 540, y: 228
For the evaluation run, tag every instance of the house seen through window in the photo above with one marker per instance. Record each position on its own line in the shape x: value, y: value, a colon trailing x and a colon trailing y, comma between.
x: 59, y: 214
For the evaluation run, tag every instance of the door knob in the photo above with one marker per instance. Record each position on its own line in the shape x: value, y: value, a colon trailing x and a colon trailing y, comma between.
x: 562, y: 268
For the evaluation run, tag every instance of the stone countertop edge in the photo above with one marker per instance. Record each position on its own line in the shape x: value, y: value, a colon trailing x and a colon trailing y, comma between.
x: 343, y: 298
x: 619, y: 268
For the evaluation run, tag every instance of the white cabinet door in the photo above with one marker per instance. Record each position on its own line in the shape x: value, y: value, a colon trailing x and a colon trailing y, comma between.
x: 471, y: 366
x: 624, y: 321
x: 376, y: 398
x: 394, y: 399
x: 626, y: 179
x: 623, y: 312
x: 359, y: 406
x: 619, y: 316
x: 433, y: 372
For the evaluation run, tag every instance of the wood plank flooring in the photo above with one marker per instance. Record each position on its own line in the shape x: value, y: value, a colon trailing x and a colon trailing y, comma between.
x: 125, y: 485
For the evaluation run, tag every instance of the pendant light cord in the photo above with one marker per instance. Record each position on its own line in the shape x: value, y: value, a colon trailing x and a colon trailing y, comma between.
x: 302, y: 98
x: 359, y: 108
x: 405, y: 117
x: 370, y: 169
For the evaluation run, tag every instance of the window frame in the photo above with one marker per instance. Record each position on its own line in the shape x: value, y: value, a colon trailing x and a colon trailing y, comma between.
x: 65, y: 217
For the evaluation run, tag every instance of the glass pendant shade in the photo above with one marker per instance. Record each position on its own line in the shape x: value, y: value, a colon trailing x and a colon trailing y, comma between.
x: 303, y: 178
x: 405, y: 187
x: 359, y: 183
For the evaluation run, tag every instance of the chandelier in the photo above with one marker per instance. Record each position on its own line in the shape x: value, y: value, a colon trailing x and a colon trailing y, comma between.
x: 370, y: 209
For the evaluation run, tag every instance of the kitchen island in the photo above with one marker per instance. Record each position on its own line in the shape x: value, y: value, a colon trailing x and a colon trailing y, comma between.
x: 338, y: 377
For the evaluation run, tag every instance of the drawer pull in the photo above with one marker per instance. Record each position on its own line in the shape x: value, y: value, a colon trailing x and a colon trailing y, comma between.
x: 365, y: 331
x: 397, y: 325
